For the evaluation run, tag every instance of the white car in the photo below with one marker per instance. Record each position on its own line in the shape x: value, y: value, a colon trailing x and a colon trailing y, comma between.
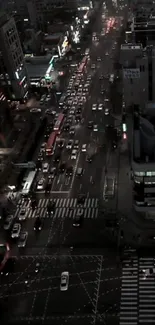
x: 148, y: 272
x: 41, y: 183
x: 16, y: 230
x: 94, y: 107
x: 106, y: 112
x: 35, y: 110
x: 74, y: 155
x: 84, y: 148
x: 22, y: 214
x: 45, y: 168
x: 95, y: 128
x: 23, y: 239
x: 100, y: 107
x: 64, y: 281
x: 69, y: 144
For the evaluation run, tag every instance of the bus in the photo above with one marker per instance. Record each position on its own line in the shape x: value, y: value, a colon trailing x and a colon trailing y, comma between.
x: 59, y: 122
x: 4, y: 254
x: 28, y: 182
x: 50, y: 146
x: 82, y: 65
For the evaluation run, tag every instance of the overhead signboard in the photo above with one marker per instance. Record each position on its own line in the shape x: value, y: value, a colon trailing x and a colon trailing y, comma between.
x: 131, y: 73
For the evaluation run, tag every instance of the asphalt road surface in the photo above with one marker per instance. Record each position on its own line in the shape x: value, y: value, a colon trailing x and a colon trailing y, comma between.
x: 87, y: 253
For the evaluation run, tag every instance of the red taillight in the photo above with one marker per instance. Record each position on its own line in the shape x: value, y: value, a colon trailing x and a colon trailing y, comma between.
x: 124, y: 136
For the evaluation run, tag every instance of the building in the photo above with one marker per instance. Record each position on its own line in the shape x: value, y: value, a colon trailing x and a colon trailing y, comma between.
x: 138, y: 69
x: 143, y: 161
x: 43, y: 12
x: 40, y: 70
x: 13, y: 75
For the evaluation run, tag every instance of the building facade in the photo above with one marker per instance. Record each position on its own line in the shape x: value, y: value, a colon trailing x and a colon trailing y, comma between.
x: 138, y: 71
x: 13, y: 75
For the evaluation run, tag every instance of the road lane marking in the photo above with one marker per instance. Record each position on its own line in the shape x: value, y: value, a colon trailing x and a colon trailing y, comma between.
x: 75, y: 168
x: 59, y: 192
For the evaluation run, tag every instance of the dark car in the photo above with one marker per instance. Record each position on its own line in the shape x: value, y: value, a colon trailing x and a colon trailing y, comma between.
x: 51, y: 207
x: 78, y: 111
x: 78, y: 118
x: 57, y: 158
x: 49, y: 184
x: 89, y: 158
x: 38, y: 224
x: 77, y: 222
x: 62, y: 168
x: 66, y: 127
x: 69, y: 171
x: 81, y: 199
x: 90, y: 124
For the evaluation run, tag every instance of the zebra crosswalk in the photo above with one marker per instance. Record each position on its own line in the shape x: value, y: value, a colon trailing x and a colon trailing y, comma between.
x: 64, y: 208
x: 63, y: 203
x: 137, y: 291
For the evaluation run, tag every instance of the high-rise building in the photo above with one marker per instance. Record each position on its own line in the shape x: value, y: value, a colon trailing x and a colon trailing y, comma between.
x: 42, y: 12
x: 13, y: 75
x: 138, y: 68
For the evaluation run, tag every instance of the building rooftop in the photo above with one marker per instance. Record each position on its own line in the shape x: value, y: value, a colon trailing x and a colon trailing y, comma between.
x: 37, y: 70
x: 54, y: 37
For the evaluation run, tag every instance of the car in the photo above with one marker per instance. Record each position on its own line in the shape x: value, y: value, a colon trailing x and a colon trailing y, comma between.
x: 49, y: 111
x: 81, y: 199
x: 74, y: 155
x: 51, y: 207
x: 49, y: 184
x: 93, y: 66
x: 61, y: 143
x: 95, y: 128
x: 66, y: 127
x: 77, y: 221
x: 35, y: 110
x: 94, y: 107
x: 40, y: 156
x: 22, y: 239
x: 41, y: 184
x: 69, y: 144
x: 16, y: 230
x: 106, y: 53
x: 62, y: 168
x: 101, y: 77
x: 64, y: 281
x: 57, y: 158
x: 22, y: 214
x: 100, y: 107
x: 45, y: 167
x: 53, y: 172
x: 78, y: 118
x: 8, y: 222
x: 72, y: 130
x: 98, y: 58
x: 76, y: 144
x: 106, y: 112
x: 69, y: 171
x: 38, y: 224
x: 90, y: 124
x: 89, y: 158
x: 84, y: 148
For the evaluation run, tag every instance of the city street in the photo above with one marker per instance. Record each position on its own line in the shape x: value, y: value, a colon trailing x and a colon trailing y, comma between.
x: 88, y: 252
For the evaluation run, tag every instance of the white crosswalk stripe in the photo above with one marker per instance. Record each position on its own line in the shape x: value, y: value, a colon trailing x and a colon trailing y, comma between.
x: 64, y: 208
x: 137, y: 291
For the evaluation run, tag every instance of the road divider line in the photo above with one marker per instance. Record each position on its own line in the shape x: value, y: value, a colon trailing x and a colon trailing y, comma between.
x: 58, y: 192
x: 75, y: 168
